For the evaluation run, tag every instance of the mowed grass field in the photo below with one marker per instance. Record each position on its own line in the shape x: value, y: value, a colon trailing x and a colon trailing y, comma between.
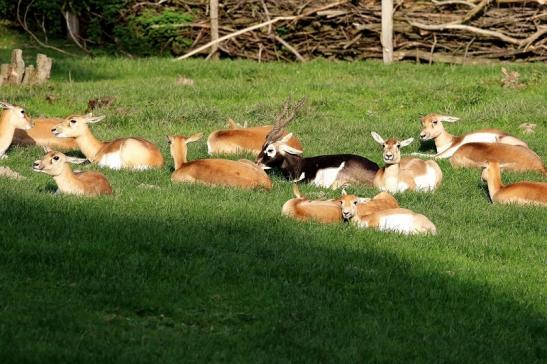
x: 188, y: 273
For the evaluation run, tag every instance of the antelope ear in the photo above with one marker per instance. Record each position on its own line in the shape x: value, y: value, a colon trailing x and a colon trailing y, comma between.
x: 90, y: 119
x: 75, y: 160
x: 170, y: 139
x: 5, y: 105
x: 447, y: 118
x: 377, y: 137
x: 286, y: 138
x: 363, y: 199
x: 194, y: 138
x: 288, y: 149
x: 231, y: 124
x: 406, y: 142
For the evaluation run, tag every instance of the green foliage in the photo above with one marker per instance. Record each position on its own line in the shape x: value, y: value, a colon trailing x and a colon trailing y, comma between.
x: 111, y: 24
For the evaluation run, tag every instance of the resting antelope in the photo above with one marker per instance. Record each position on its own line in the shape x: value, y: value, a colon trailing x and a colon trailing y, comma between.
x: 331, y: 171
x: 400, y: 175
x: 56, y: 164
x: 220, y: 172
x: 366, y: 206
x: 126, y: 153
x: 12, y: 118
x: 40, y: 135
x: 472, y: 150
x: 239, y: 138
x: 384, y: 217
x: 447, y: 144
x: 301, y: 208
x: 523, y: 193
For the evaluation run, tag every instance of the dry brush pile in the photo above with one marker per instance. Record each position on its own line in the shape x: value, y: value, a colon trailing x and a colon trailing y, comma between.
x: 454, y: 31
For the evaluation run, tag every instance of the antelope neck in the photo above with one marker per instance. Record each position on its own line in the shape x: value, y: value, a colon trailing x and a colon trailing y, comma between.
x: 292, y: 166
x: 89, y: 145
x: 443, y: 141
x: 6, y: 132
x: 179, y: 156
x: 66, y: 180
x: 494, y: 181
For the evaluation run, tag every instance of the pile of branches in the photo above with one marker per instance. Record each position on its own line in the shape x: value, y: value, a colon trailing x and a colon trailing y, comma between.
x: 453, y: 31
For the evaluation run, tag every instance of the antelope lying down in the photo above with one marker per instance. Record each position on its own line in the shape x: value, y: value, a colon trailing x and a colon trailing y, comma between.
x: 523, y: 193
x: 331, y: 171
x: 12, y: 118
x: 300, y: 208
x: 447, y: 144
x: 220, y: 172
x: 56, y: 165
x: 123, y: 153
x: 384, y: 217
x: 237, y: 139
x: 40, y: 135
x: 400, y: 175
x: 472, y: 150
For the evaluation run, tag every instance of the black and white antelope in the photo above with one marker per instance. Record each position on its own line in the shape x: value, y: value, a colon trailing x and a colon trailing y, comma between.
x: 330, y: 171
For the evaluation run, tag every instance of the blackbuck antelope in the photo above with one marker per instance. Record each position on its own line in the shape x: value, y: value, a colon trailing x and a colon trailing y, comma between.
x: 56, y: 164
x: 123, y: 153
x: 220, y: 172
x: 300, y: 208
x: 447, y: 144
x: 401, y: 174
x: 331, y: 171
x: 237, y: 139
x: 472, y: 150
x: 40, y: 135
x: 522, y: 193
x: 12, y: 118
x: 383, y: 217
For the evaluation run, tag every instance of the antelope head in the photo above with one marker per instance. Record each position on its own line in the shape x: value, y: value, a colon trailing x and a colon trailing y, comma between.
x: 392, y: 148
x: 276, y: 146
x: 178, y: 147
x: 348, y: 204
x: 432, y: 125
x: 16, y: 116
x: 75, y: 125
x: 53, y: 163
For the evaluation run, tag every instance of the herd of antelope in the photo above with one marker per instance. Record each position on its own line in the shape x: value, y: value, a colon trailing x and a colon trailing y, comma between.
x: 490, y: 149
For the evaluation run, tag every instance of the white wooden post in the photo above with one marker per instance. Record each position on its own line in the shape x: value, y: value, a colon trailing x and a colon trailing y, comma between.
x: 387, y: 30
x: 213, y: 9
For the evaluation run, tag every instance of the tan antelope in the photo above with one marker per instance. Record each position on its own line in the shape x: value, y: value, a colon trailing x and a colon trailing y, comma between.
x: 300, y: 208
x: 237, y: 139
x: 447, y: 144
x: 522, y: 193
x: 474, y: 149
x: 401, y: 174
x: 12, y: 118
x: 123, y: 153
x: 383, y: 217
x: 56, y: 164
x: 331, y: 171
x: 366, y: 206
x: 40, y: 135
x: 219, y: 172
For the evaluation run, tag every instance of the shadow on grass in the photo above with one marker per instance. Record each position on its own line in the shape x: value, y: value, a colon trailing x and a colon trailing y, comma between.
x: 87, y: 286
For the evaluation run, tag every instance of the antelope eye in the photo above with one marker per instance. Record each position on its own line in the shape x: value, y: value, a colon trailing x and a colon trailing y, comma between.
x: 73, y: 121
x: 399, y: 146
x: 56, y: 158
x: 23, y: 112
x: 435, y: 123
x: 355, y: 202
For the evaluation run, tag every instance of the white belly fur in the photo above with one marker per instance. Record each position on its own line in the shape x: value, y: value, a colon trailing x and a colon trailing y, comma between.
x: 400, y: 223
x: 427, y: 181
x: 111, y: 160
x: 326, y: 177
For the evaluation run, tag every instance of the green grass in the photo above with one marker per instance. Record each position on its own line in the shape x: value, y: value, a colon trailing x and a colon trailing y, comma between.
x: 189, y: 273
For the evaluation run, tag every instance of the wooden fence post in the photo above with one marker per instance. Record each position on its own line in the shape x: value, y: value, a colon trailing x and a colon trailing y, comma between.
x: 387, y: 30
x: 213, y: 9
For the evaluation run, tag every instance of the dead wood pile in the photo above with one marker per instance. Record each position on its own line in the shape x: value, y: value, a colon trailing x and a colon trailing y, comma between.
x: 452, y: 31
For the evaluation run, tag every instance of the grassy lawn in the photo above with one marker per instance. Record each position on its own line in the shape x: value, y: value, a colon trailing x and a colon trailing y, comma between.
x: 186, y: 273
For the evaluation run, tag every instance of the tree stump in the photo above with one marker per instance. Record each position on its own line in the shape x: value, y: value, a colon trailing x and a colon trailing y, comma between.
x: 15, y: 73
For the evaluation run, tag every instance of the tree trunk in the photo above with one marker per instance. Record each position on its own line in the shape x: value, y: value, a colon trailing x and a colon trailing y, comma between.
x: 387, y: 30
x: 213, y: 8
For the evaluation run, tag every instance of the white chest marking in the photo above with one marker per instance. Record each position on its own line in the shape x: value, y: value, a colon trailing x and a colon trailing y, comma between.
x: 111, y: 160
x: 326, y: 177
x: 427, y: 181
x: 401, y: 223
